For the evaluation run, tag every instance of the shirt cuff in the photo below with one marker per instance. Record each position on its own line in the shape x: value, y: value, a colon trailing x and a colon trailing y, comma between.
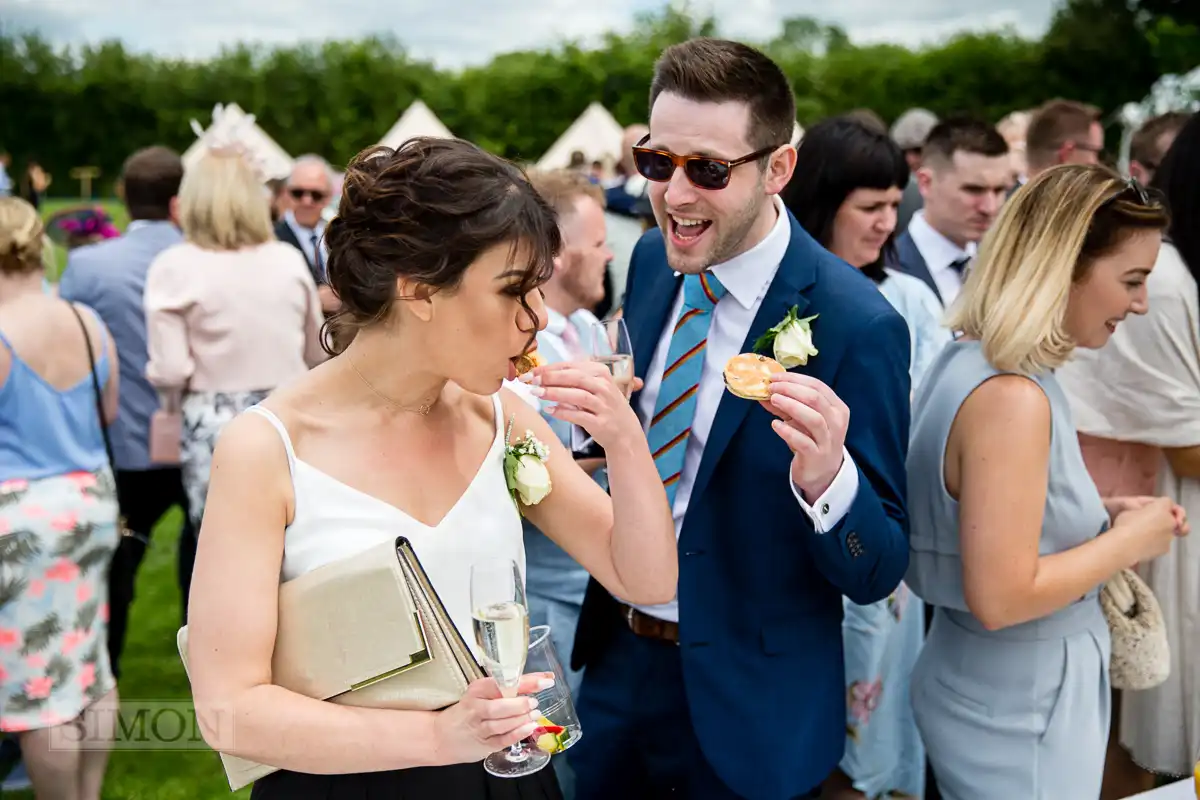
x: 832, y: 506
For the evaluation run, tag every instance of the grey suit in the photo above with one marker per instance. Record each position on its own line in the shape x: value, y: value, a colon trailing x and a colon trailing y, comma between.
x: 110, y: 277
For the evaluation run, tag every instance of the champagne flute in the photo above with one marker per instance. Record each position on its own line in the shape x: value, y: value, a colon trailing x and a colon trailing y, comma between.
x: 500, y: 618
x: 612, y: 348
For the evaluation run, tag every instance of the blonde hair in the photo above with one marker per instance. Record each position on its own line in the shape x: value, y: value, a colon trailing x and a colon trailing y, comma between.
x: 560, y: 188
x: 22, y: 237
x: 222, y: 205
x: 1047, y: 237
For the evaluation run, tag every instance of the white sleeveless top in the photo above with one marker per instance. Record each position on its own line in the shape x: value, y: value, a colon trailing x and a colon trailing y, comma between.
x: 335, y: 521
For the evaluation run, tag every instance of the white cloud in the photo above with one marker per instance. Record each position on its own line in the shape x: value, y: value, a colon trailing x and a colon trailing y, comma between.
x: 460, y: 32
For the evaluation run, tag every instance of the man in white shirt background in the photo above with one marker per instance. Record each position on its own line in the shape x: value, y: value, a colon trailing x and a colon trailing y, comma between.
x: 555, y: 583
x: 964, y: 177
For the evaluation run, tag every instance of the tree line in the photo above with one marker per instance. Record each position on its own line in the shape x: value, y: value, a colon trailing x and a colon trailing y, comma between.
x: 67, y: 107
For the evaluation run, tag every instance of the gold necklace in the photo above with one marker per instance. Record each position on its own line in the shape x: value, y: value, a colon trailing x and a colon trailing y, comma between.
x: 424, y: 409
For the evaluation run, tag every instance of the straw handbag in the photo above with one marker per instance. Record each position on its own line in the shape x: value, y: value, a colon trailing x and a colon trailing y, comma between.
x: 1141, y: 656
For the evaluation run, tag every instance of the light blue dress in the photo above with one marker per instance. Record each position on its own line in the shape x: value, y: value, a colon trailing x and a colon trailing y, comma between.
x: 882, y: 640
x: 1022, y: 712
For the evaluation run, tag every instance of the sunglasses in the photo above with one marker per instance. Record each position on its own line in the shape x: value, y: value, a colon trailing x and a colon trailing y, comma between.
x: 704, y: 172
x: 316, y: 194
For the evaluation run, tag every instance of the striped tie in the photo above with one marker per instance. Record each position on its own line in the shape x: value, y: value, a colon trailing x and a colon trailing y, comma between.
x: 676, y: 404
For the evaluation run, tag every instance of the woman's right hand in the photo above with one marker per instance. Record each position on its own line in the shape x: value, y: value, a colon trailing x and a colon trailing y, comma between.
x: 1151, y: 528
x: 484, y: 721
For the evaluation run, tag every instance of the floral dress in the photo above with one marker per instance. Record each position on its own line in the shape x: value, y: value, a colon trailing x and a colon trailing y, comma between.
x: 884, y: 754
x: 57, y: 538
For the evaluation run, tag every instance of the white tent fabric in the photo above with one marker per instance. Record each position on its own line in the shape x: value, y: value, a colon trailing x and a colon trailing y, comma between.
x: 417, y: 120
x: 230, y: 123
x: 1169, y: 93
x: 595, y: 134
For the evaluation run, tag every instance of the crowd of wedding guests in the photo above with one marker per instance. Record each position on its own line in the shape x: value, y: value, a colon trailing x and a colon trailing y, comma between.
x: 888, y: 573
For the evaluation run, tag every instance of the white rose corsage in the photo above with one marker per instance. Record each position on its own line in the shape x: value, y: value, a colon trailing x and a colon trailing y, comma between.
x: 791, y: 340
x: 525, y: 468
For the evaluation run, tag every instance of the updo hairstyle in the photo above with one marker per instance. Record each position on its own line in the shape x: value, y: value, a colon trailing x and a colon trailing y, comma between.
x: 426, y: 211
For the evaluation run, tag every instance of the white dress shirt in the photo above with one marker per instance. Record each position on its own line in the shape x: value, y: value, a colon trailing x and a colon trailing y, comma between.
x: 746, y: 279
x: 939, y: 254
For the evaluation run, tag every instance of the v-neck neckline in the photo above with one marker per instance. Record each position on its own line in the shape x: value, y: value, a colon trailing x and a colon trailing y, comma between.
x: 488, y: 458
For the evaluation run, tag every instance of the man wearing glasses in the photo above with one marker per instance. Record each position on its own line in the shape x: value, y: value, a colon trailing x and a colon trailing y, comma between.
x: 736, y: 688
x: 1063, y: 132
x: 310, y: 190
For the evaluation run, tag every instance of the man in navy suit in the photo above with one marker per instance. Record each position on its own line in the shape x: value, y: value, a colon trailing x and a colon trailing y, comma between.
x: 964, y: 178
x: 735, y: 689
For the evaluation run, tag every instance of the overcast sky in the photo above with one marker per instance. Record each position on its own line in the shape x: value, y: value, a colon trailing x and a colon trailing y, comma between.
x: 460, y: 32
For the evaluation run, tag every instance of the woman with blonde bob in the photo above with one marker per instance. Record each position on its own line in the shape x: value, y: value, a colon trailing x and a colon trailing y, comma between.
x: 1011, y: 691
x: 231, y: 313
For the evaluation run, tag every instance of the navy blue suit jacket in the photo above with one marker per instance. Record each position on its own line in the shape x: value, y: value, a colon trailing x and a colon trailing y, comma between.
x: 906, y: 258
x: 760, y: 592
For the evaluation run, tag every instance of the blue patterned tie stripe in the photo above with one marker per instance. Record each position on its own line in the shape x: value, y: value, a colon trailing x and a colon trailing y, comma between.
x: 675, y: 407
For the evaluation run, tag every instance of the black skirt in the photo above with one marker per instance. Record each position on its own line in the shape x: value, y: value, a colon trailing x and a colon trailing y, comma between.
x: 457, y: 782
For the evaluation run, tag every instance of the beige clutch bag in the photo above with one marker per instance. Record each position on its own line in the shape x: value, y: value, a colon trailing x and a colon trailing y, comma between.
x: 368, y: 631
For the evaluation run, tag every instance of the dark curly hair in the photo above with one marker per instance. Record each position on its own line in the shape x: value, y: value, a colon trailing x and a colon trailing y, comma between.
x: 426, y: 211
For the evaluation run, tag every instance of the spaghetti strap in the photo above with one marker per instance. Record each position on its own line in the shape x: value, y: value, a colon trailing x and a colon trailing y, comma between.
x: 281, y: 430
x: 101, y: 353
x: 499, y: 406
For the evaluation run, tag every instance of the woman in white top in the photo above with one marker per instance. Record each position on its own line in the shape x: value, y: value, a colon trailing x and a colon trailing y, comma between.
x: 436, y: 255
x: 1144, y: 389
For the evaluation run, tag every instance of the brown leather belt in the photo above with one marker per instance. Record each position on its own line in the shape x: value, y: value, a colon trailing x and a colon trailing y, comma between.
x: 650, y: 627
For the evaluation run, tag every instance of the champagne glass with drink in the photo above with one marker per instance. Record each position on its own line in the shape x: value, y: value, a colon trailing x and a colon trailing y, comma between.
x: 500, y: 618
x: 612, y: 348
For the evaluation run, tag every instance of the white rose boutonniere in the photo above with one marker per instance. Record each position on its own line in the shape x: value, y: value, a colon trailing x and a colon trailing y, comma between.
x: 791, y: 340
x: 525, y: 468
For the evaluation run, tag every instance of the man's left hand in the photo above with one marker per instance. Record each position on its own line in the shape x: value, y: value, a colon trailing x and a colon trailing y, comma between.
x: 812, y: 422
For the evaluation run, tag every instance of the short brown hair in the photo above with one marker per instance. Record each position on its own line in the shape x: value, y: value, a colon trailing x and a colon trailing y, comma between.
x: 149, y: 179
x: 962, y: 135
x: 561, y: 187
x: 1143, y: 147
x: 707, y: 70
x: 1054, y: 124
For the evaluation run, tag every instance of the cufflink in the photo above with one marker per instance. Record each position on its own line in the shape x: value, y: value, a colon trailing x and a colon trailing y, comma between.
x: 824, y: 508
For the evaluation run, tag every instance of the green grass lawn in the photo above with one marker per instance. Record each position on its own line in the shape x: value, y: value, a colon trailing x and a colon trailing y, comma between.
x: 151, y: 671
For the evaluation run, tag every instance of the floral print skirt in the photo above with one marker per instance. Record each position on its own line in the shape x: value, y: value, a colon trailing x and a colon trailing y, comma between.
x: 205, y: 414
x: 57, y: 538
x: 884, y: 753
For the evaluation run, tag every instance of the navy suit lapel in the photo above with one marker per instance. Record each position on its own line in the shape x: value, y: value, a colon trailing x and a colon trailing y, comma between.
x: 649, y: 318
x: 797, y: 271
x: 912, y: 262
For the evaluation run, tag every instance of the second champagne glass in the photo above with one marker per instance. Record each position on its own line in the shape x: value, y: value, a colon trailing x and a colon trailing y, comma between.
x: 500, y: 618
x: 611, y: 347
